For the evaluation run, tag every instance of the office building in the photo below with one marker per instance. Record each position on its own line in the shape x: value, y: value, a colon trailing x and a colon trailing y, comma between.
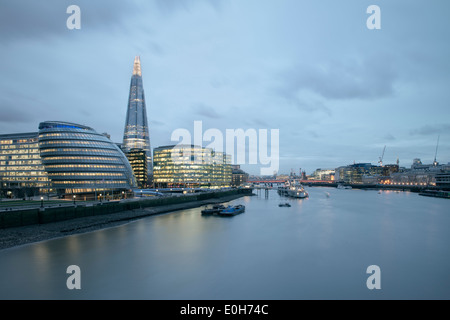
x: 239, y: 176
x: 322, y: 175
x: 190, y: 166
x: 138, y: 161
x: 136, y: 133
x: 22, y: 173
x: 443, y: 180
x: 78, y: 160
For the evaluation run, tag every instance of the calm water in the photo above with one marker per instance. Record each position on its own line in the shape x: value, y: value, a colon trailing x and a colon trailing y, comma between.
x: 319, y: 248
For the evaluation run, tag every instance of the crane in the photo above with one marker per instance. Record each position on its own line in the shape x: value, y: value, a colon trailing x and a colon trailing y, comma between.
x: 435, y: 163
x: 381, y: 158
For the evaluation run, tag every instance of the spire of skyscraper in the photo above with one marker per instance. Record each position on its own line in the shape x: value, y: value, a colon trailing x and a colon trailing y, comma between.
x: 136, y: 134
x: 137, y: 66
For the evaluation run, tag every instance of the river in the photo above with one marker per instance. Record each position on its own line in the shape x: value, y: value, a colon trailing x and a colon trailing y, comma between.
x: 319, y: 248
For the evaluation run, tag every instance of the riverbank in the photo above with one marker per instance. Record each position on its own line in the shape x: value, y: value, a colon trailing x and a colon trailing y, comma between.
x: 400, y: 187
x: 16, y: 236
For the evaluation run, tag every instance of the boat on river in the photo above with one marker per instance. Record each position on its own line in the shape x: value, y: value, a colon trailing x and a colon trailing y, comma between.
x: 435, y: 193
x: 232, y: 210
x: 215, y: 209
x: 293, y: 189
x: 297, y: 191
x: 284, y: 205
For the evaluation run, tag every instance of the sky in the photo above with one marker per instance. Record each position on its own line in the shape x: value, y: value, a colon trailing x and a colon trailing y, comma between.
x: 337, y: 91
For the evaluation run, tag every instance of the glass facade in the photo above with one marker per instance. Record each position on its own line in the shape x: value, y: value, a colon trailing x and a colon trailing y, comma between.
x: 80, y: 160
x: 136, y: 133
x: 355, y: 173
x: 138, y: 162
x: 21, y: 170
x: 190, y: 166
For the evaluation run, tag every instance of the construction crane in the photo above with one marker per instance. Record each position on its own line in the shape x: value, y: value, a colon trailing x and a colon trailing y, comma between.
x: 381, y: 158
x: 435, y: 163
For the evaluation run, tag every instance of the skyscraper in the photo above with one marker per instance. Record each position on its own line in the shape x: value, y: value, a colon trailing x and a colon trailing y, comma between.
x: 136, y: 135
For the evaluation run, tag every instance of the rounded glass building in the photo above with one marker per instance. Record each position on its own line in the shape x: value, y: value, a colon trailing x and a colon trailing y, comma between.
x: 79, y: 160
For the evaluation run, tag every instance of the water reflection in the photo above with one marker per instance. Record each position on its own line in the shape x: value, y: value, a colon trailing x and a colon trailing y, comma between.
x: 318, y: 248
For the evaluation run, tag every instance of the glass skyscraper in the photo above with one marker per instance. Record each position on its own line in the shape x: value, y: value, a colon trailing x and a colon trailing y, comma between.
x: 136, y: 135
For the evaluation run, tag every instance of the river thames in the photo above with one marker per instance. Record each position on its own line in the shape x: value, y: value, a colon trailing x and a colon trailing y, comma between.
x: 319, y: 248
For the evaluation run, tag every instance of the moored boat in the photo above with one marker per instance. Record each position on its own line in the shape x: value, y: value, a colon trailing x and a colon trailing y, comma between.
x: 232, y: 210
x: 293, y: 189
x: 435, y: 193
x: 297, y: 191
x: 214, y: 210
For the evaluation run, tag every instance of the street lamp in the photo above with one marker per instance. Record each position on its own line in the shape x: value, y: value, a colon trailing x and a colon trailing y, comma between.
x: 42, y: 202
x: 100, y: 197
x: 74, y: 196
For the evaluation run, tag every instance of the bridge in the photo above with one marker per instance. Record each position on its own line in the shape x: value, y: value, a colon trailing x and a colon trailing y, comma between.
x: 266, y: 181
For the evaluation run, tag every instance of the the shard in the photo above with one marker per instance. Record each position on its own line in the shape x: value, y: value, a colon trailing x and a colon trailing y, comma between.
x: 136, y: 134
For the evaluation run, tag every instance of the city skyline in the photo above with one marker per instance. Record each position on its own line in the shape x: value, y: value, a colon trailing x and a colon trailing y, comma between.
x: 337, y: 91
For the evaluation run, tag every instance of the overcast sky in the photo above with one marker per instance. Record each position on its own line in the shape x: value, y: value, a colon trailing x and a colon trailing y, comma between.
x: 337, y: 91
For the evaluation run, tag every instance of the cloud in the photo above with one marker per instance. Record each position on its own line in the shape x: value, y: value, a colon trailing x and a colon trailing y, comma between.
x: 206, y: 111
x: 170, y: 6
x: 260, y: 123
x: 17, y: 107
x: 313, y: 134
x: 157, y: 123
x: 219, y: 82
x: 29, y: 19
x: 156, y: 48
x: 9, y: 114
x: 389, y: 137
x: 427, y: 130
x: 367, y: 79
x: 309, y: 105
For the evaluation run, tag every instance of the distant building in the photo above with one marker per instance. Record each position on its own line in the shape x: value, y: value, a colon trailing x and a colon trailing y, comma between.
x: 190, y: 166
x: 420, y: 173
x: 239, y: 176
x: 282, y: 177
x: 365, y: 173
x: 21, y: 170
x: 323, y: 175
x: 138, y: 162
x: 443, y: 180
x: 352, y: 173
